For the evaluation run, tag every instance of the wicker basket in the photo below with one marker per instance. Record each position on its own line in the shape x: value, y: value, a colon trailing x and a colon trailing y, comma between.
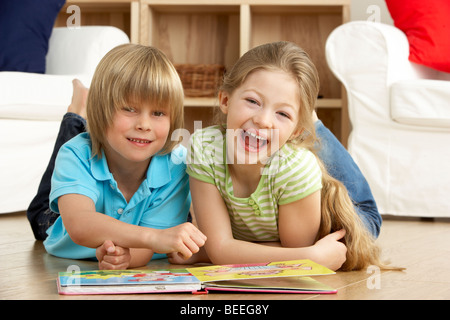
x: 200, y: 80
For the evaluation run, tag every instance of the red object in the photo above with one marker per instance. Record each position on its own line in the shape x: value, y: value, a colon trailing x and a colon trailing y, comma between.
x: 427, y: 27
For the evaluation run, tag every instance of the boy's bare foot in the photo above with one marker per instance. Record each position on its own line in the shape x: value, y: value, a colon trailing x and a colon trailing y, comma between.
x: 79, y: 97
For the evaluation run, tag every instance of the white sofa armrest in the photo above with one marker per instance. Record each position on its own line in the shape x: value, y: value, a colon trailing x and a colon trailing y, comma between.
x: 79, y: 50
x: 367, y: 57
x: 362, y: 46
x: 421, y: 102
x: 32, y: 96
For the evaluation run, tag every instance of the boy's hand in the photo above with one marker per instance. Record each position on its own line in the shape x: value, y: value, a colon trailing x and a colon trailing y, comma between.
x: 184, y: 239
x: 112, y: 257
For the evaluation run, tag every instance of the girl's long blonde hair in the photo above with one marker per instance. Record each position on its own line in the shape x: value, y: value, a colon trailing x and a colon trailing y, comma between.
x: 337, y: 209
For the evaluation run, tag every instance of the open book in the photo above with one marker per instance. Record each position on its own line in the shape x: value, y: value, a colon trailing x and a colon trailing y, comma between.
x: 276, y: 277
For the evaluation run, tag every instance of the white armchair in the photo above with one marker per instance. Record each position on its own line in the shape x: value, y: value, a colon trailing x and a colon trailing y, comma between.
x: 32, y: 106
x: 400, y: 117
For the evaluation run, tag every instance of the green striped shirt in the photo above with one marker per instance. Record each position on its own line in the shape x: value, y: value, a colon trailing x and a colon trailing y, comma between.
x: 290, y: 175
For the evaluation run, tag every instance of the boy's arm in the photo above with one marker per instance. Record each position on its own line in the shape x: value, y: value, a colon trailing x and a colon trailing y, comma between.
x: 89, y: 228
x: 212, y: 217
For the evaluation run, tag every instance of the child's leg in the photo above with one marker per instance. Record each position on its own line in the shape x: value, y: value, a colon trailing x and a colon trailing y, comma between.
x: 73, y: 123
x: 342, y: 167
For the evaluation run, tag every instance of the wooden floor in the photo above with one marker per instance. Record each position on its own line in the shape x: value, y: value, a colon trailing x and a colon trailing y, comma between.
x: 423, y: 247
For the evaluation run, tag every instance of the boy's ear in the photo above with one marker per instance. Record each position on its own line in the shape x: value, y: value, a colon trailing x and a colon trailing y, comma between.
x: 223, y: 101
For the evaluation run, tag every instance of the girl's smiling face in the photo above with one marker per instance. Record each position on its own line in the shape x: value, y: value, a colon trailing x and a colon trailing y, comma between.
x: 262, y: 115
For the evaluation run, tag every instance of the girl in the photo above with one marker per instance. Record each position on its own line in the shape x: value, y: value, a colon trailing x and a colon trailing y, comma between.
x: 115, y: 186
x: 260, y: 192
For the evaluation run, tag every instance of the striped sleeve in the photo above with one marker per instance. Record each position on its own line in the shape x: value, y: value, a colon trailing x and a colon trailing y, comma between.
x: 299, y: 176
x: 205, y: 154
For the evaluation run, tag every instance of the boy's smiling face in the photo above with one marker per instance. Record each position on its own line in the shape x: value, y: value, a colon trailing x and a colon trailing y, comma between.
x: 138, y: 132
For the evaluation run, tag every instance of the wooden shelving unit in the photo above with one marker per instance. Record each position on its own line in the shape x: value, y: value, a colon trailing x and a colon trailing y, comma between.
x: 123, y: 14
x: 219, y: 32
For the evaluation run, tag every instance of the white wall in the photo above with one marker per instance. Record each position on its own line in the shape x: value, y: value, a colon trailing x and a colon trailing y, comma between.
x: 373, y: 10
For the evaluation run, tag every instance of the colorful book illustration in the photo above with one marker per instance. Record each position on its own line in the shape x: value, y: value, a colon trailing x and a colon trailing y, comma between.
x: 275, y: 277
x: 127, y: 281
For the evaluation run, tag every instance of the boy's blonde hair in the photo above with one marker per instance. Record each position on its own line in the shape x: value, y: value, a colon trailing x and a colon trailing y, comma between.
x: 132, y: 73
x: 337, y: 209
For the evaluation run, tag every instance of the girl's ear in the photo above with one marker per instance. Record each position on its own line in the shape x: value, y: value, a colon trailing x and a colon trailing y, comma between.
x: 298, y: 132
x: 223, y: 101
x: 300, y: 135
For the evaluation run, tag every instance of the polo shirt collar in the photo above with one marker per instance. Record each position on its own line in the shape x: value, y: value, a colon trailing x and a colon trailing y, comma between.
x: 99, y: 168
x: 158, y: 173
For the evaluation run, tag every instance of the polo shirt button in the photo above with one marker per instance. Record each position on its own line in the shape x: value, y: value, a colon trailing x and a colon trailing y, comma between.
x: 255, y: 206
x: 257, y: 212
x: 251, y: 201
x: 119, y: 211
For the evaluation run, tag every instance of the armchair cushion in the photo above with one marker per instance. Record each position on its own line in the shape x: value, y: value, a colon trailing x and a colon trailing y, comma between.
x: 421, y: 103
x: 427, y: 27
x: 25, y: 29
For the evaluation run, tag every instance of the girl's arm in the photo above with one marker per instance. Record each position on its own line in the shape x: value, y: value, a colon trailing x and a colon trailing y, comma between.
x: 89, y: 228
x: 299, y: 221
x: 212, y: 218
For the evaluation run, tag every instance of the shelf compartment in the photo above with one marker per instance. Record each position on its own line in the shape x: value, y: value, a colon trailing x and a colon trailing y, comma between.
x: 307, y: 26
x: 193, y: 34
x: 117, y: 13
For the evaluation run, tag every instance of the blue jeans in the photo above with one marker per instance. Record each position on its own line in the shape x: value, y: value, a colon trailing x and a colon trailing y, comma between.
x: 39, y: 214
x: 341, y: 166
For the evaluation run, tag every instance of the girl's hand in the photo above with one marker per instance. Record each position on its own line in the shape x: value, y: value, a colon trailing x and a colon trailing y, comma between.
x: 201, y: 256
x: 112, y: 257
x: 329, y: 251
x: 184, y: 239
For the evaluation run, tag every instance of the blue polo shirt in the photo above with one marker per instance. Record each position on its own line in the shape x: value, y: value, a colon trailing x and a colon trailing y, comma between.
x: 161, y: 201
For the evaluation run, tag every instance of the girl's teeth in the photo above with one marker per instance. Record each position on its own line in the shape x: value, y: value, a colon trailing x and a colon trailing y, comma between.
x: 254, y: 135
